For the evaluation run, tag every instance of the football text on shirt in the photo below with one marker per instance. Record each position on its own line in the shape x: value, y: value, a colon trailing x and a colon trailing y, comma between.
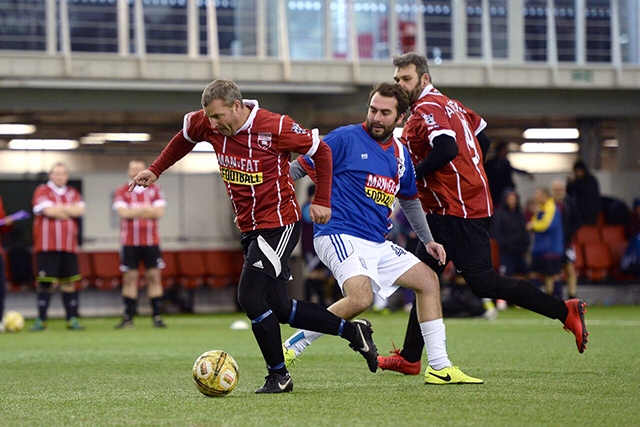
x: 239, y: 170
x: 381, y: 189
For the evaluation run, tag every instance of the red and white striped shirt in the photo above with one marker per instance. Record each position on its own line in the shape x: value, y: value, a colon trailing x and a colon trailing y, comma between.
x: 461, y: 187
x: 139, y: 231
x: 254, y: 164
x: 50, y: 234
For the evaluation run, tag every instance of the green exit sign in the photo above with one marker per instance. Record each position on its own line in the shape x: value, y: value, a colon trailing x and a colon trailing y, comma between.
x: 582, y: 76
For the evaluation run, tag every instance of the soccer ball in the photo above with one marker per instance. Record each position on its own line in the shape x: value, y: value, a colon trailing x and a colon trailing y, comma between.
x: 13, y: 321
x: 215, y: 373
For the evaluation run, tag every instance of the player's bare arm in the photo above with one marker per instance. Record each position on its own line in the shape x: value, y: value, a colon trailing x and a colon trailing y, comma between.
x: 144, y: 179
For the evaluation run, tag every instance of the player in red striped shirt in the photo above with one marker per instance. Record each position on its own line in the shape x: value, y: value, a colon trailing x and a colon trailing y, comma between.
x: 57, y: 208
x: 448, y: 147
x: 254, y: 147
x: 139, y: 212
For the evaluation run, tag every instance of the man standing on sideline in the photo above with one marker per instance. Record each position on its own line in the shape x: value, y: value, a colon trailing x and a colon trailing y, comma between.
x: 548, y: 240
x: 139, y: 211
x: 57, y: 208
x: 253, y: 148
x: 448, y: 146
x: 584, y: 188
x: 370, y: 169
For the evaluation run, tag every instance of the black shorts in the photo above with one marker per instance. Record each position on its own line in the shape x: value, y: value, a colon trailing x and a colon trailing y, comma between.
x: 57, y: 267
x: 131, y: 256
x: 547, y: 265
x: 268, y: 251
x: 466, y: 241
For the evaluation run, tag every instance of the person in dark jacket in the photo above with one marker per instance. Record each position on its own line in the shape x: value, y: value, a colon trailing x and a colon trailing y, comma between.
x: 500, y: 173
x: 509, y: 228
x: 586, y: 190
x: 565, y: 203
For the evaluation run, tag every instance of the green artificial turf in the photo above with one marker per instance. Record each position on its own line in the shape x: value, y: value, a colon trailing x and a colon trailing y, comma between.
x: 533, y: 375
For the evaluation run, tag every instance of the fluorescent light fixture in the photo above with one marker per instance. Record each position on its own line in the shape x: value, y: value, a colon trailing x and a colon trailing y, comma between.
x: 203, y: 147
x: 16, y: 129
x: 551, y: 133
x: 610, y: 143
x: 91, y: 140
x: 43, y: 144
x: 121, y: 137
x: 549, y: 147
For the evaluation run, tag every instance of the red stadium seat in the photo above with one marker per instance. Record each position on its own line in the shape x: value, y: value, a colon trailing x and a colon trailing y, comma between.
x: 613, y: 233
x: 170, y: 270
x: 86, y: 269
x: 588, y: 234
x: 597, y: 261
x: 578, y: 264
x: 106, y: 267
x: 191, y: 268
x: 223, y: 267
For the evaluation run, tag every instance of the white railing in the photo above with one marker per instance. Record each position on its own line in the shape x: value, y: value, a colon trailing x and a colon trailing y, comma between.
x: 460, y: 32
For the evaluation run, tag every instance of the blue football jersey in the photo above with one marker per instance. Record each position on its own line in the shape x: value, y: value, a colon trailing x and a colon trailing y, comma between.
x: 367, y: 178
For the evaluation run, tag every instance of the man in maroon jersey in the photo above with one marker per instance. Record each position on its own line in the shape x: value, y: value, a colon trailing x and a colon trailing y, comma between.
x: 448, y: 147
x: 57, y: 208
x: 139, y: 212
x: 253, y: 148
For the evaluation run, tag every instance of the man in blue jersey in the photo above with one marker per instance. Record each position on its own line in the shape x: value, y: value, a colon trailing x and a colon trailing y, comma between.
x: 371, y: 168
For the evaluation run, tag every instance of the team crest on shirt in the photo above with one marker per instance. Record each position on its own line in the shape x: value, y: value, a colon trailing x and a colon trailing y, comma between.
x: 428, y: 119
x: 401, y: 168
x: 296, y: 128
x: 264, y: 140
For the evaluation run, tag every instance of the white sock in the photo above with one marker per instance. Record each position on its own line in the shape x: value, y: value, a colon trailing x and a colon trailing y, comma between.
x: 435, y: 339
x: 300, y: 340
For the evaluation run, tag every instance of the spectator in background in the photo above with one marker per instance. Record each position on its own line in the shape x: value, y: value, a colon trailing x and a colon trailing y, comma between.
x: 509, y: 228
x: 633, y: 226
x: 319, y: 278
x: 570, y: 224
x: 57, y: 208
x: 7, y: 221
x: 585, y: 189
x: 500, y: 173
x: 139, y: 211
x: 548, y: 239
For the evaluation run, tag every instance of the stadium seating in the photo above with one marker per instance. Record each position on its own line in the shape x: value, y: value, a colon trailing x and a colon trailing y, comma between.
x: 191, y: 268
x: 86, y: 269
x: 598, y: 263
x: 588, y: 234
x: 223, y: 267
x: 170, y: 270
x: 613, y: 234
x: 106, y: 267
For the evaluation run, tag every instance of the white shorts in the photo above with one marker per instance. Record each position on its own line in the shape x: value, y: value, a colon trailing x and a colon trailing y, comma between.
x: 348, y: 256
